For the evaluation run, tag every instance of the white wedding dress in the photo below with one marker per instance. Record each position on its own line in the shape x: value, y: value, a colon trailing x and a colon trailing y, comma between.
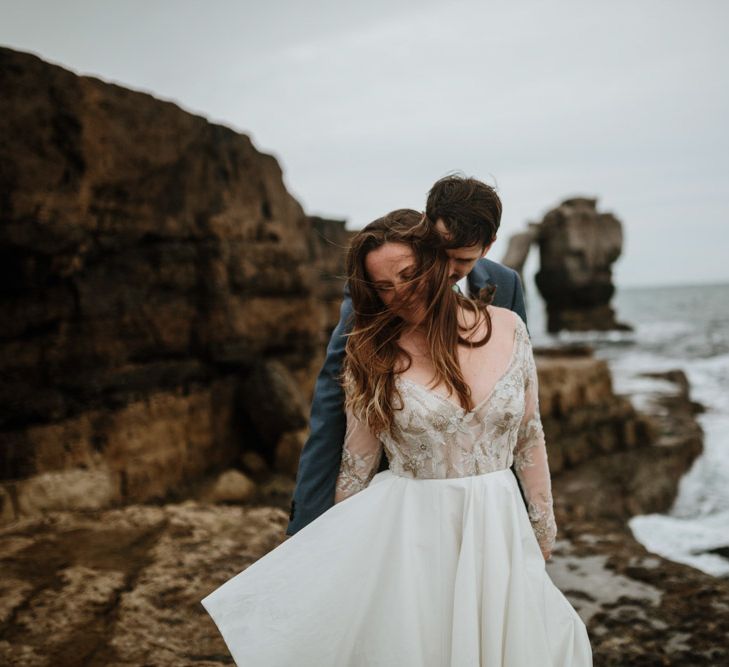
x: 434, y: 562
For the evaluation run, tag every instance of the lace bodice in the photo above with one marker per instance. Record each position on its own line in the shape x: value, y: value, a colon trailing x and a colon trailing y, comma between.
x: 436, y: 438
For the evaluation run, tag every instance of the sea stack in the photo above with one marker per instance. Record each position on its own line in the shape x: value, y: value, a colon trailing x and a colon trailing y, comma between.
x: 577, y: 248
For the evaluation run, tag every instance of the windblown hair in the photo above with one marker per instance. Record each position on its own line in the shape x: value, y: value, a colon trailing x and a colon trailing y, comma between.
x: 373, y: 355
x: 469, y: 208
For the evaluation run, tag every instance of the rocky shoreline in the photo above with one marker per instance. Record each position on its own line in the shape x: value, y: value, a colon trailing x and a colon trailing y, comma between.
x: 640, y: 609
x: 122, y: 586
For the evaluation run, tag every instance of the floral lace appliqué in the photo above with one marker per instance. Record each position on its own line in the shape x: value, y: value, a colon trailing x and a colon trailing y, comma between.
x: 356, y: 471
x: 435, y: 438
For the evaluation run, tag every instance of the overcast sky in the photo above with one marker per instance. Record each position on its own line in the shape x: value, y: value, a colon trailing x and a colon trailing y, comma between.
x: 366, y: 104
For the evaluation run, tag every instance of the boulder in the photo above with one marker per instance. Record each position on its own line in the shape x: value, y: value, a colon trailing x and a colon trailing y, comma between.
x: 66, y: 490
x: 231, y: 486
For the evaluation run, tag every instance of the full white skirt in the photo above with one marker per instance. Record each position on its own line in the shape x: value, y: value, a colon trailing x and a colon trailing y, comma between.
x: 442, y: 572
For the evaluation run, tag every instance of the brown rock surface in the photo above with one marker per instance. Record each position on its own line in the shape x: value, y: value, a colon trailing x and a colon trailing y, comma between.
x: 274, y: 402
x: 122, y: 587
x: 231, y: 486
x: 151, y: 261
x: 642, y: 476
x: 577, y: 247
x: 288, y: 451
x: 329, y: 244
x: 581, y: 415
x: 640, y: 609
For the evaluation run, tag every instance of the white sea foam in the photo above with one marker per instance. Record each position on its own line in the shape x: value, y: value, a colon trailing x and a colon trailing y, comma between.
x: 685, y: 540
x: 699, y: 518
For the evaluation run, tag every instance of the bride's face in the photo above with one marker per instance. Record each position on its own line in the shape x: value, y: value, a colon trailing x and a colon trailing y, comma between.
x: 391, y: 268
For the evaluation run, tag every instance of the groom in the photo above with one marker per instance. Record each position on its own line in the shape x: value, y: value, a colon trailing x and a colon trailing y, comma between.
x: 467, y: 214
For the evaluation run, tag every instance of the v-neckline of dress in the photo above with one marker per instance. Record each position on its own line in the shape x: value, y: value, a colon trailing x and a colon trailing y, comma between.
x: 482, y: 402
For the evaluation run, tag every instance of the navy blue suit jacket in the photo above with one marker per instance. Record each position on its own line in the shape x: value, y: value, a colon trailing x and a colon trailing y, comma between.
x: 322, y: 453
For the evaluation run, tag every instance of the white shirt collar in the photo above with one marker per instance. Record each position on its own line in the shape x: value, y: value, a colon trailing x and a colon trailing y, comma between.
x: 463, y: 284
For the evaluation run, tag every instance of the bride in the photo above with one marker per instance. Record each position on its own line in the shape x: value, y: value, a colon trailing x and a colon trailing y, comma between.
x: 435, y: 561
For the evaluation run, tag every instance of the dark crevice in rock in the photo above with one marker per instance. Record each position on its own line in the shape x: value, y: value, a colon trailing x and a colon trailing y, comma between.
x: 90, y: 645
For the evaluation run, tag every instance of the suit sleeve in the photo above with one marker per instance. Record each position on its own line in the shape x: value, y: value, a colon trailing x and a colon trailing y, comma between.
x: 517, y: 304
x: 322, y: 453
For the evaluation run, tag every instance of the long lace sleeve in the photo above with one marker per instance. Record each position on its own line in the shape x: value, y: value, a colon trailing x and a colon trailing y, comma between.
x: 360, y: 459
x: 530, y: 460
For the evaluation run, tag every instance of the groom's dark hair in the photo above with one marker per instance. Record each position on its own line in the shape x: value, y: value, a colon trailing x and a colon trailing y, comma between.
x: 470, y: 210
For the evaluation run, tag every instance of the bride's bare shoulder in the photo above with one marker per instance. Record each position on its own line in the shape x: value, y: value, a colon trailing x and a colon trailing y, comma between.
x: 503, y: 314
x: 501, y: 319
x: 504, y: 323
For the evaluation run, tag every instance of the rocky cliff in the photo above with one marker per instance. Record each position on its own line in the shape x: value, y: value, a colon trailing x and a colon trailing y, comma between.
x: 158, y: 283
x: 581, y: 414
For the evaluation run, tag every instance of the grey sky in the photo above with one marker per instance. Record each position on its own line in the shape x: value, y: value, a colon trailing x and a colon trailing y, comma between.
x: 366, y: 104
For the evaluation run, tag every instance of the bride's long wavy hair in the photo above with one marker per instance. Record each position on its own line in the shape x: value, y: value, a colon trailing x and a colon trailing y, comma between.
x: 372, y: 349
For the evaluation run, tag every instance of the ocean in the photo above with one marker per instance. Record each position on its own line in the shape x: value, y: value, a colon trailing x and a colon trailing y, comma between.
x: 684, y: 327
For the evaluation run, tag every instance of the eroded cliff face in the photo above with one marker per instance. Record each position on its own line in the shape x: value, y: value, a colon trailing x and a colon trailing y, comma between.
x: 152, y: 265
x: 608, y: 459
x: 581, y: 414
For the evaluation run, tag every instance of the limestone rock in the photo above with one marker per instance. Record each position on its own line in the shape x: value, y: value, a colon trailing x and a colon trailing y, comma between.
x: 578, y: 246
x: 273, y: 401
x: 151, y: 445
x: 288, y: 451
x: 123, y: 587
x: 253, y: 464
x: 329, y: 245
x: 581, y: 415
x: 8, y: 511
x: 66, y: 490
x: 640, y: 474
x: 277, y: 491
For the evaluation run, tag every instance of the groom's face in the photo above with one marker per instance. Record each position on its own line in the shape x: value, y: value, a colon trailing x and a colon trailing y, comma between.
x: 461, y: 260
